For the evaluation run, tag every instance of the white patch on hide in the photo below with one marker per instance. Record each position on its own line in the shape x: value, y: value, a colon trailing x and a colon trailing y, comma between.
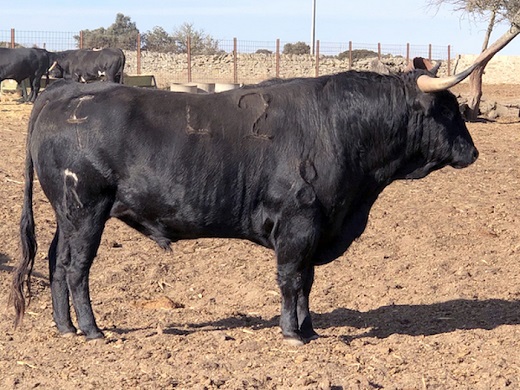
x: 69, y: 173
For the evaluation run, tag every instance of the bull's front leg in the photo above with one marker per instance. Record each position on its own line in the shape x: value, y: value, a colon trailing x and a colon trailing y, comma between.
x: 303, y: 312
x: 295, y: 245
x: 295, y: 318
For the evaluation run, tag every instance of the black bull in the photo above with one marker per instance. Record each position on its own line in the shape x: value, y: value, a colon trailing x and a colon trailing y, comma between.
x: 85, y: 65
x: 294, y: 166
x: 24, y: 63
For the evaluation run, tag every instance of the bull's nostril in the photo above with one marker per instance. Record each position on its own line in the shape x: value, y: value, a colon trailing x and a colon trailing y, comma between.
x: 475, y: 154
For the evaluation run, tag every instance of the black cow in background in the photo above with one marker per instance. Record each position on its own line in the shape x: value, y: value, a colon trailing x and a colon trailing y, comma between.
x: 85, y: 65
x: 292, y: 165
x: 24, y: 63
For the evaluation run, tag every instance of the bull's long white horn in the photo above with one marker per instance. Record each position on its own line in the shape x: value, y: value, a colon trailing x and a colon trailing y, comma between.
x: 433, y: 84
x: 53, y: 65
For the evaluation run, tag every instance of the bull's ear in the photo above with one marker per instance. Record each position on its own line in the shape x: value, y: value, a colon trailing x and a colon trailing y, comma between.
x: 435, y: 68
x: 424, y: 102
x: 416, y: 63
x: 424, y: 64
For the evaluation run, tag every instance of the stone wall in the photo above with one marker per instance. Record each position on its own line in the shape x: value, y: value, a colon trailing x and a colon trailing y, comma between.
x: 500, y: 70
x: 252, y: 68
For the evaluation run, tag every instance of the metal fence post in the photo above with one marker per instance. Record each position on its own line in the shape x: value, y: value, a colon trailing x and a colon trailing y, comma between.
x: 235, y: 65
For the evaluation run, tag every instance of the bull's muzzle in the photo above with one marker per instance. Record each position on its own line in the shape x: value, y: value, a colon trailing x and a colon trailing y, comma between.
x: 464, y: 156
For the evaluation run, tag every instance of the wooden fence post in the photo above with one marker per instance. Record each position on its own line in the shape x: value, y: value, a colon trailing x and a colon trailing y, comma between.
x: 349, y: 55
x: 12, y: 38
x: 138, y: 53
x: 188, y: 45
x: 81, y: 39
x: 407, y: 53
x: 317, y: 71
x: 449, y: 60
x: 277, y: 58
x: 379, y: 51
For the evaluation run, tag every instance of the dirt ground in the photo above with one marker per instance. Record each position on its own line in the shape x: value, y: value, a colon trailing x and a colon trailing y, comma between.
x: 427, y: 298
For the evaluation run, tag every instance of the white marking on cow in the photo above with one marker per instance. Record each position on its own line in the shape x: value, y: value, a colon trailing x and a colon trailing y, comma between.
x: 69, y: 173
x: 190, y: 129
x: 70, y: 188
x: 101, y: 73
x: 73, y: 118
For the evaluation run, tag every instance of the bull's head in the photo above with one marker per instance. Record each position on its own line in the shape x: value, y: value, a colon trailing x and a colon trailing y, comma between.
x: 444, y: 137
x: 56, y: 71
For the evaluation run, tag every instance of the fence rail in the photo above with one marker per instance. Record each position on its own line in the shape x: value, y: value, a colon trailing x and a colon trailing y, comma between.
x: 58, y: 41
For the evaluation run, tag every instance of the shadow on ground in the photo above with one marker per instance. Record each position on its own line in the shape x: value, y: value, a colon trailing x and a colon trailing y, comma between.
x: 412, y: 320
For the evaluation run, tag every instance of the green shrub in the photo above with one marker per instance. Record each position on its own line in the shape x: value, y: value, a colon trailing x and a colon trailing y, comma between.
x: 357, y: 54
x: 296, y: 48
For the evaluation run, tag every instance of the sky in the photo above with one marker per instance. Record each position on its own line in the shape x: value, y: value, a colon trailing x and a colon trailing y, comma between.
x: 393, y: 22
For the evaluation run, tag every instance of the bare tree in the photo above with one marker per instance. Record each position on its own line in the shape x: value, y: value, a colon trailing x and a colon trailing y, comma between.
x: 494, y: 11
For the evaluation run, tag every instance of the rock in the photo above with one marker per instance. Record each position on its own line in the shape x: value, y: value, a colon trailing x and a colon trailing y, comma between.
x: 163, y: 303
x: 377, y: 66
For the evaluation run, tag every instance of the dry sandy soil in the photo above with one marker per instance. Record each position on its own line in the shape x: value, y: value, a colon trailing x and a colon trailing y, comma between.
x: 427, y: 298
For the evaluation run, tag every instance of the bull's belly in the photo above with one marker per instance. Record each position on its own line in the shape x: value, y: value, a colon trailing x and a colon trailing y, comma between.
x: 165, y: 224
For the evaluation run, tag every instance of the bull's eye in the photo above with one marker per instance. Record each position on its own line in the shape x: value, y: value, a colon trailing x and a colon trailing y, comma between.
x: 447, y: 113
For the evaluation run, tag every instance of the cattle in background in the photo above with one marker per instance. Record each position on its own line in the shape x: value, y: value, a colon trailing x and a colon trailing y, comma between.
x: 88, y: 65
x: 292, y: 165
x: 24, y: 63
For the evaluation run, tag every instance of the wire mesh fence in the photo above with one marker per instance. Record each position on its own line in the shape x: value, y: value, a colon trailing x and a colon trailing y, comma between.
x: 190, y: 67
x: 50, y: 40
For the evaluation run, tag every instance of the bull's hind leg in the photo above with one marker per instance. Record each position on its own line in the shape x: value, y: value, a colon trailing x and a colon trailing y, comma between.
x: 59, y: 289
x: 80, y: 231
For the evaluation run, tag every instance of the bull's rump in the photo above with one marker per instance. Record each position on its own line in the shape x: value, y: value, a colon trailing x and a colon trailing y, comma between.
x: 174, y: 165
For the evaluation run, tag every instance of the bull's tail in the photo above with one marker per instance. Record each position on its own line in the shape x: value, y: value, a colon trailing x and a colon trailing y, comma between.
x: 21, y: 287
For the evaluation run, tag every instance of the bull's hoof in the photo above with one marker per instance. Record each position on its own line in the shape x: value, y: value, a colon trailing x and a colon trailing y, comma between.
x: 297, y: 340
x: 96, y: 341
x: 293, y: 341
x: 312, y: 336
x: 67, y: 330
x: 96, y: 335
